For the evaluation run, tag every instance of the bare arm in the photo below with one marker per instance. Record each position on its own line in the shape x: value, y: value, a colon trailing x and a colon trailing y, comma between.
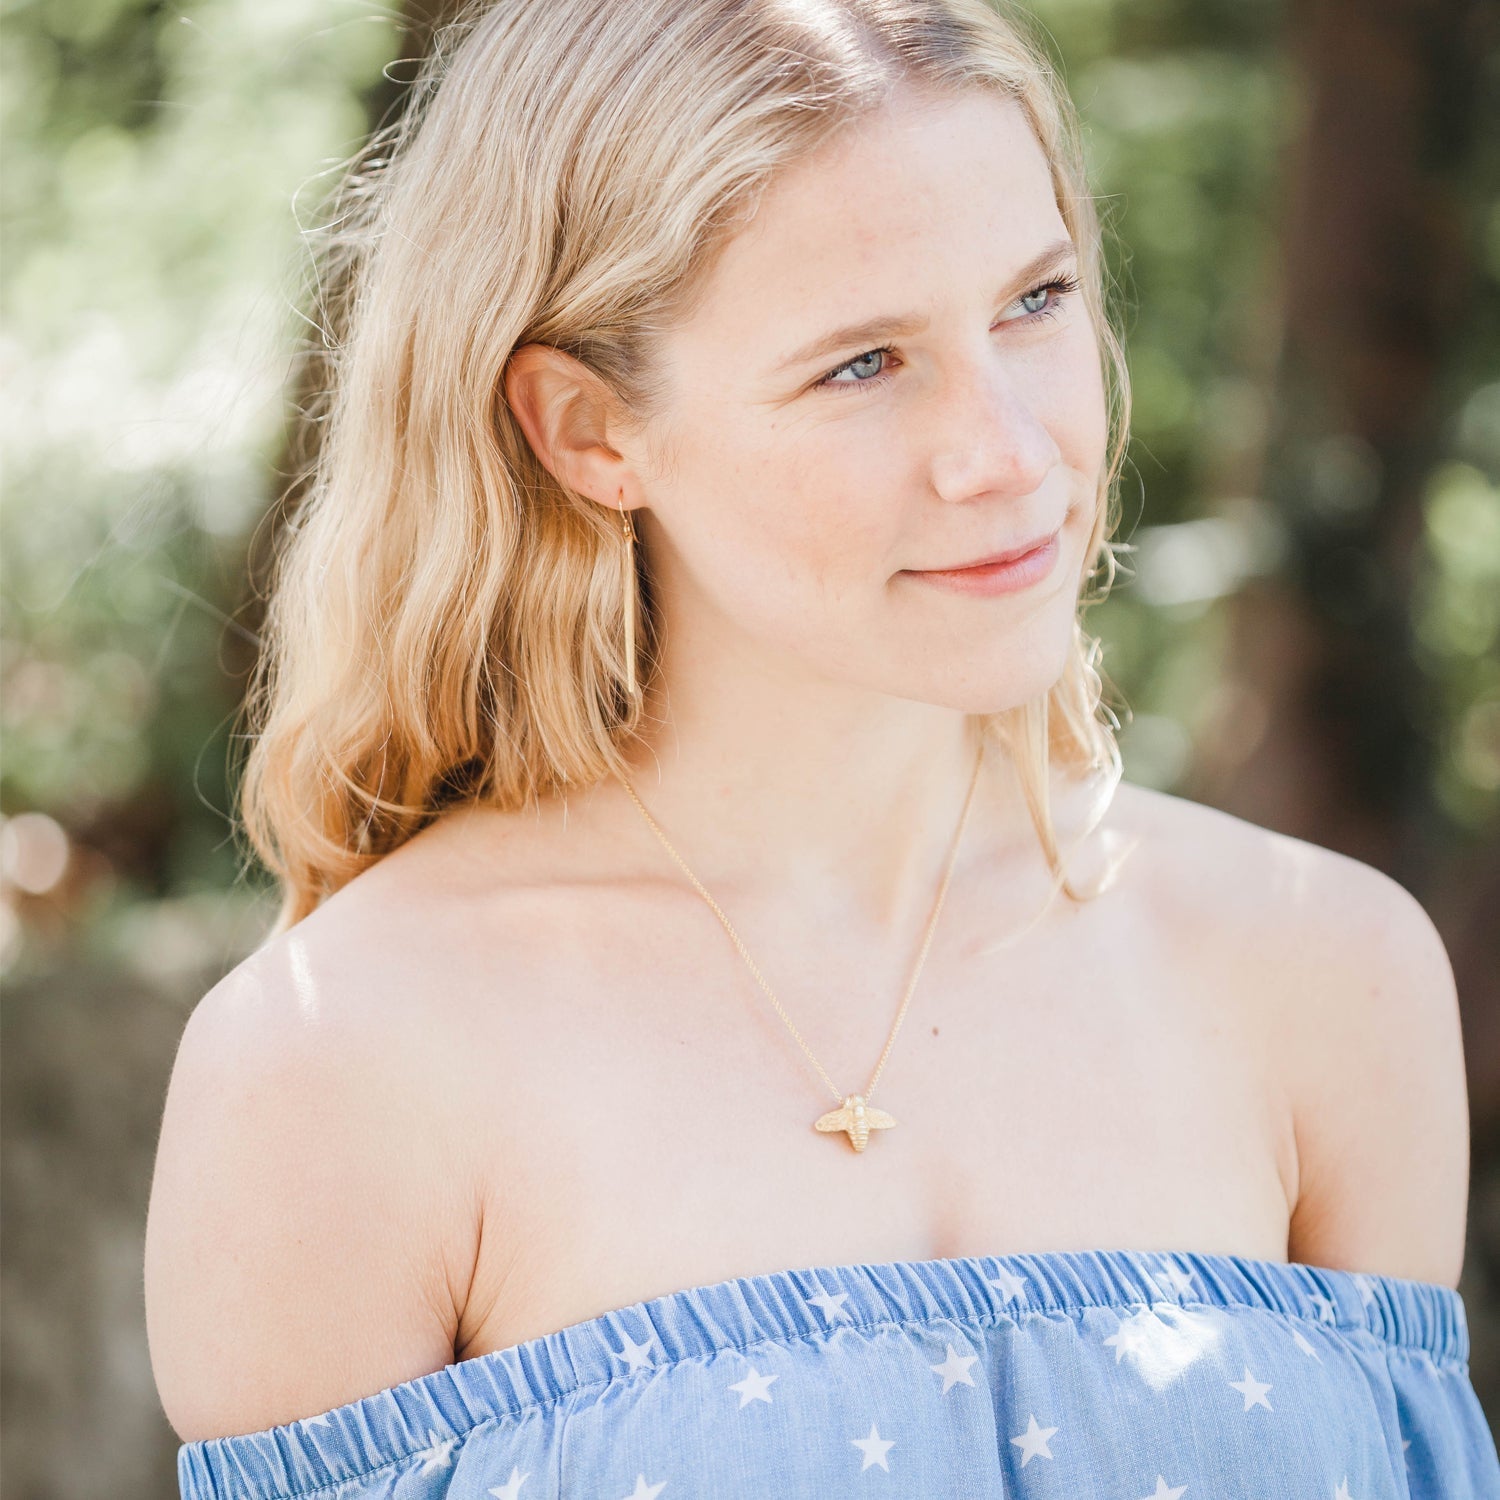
x: 300, y: 1238
x: 1382, y: 1116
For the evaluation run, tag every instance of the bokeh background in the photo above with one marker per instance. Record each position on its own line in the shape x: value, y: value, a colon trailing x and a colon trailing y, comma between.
x: 1304, y: 202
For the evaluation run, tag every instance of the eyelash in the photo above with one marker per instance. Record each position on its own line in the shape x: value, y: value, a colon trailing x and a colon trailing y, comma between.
x: 1063, y: 286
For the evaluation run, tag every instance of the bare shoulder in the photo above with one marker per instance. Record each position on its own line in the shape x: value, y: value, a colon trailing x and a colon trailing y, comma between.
x: 1359, y: 997
x: 311, y: 1205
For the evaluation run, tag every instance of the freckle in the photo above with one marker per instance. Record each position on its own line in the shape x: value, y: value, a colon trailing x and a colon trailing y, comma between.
x: 934, y: 1031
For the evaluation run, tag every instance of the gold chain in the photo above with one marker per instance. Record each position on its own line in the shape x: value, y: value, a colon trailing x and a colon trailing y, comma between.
x: 854, y: 1116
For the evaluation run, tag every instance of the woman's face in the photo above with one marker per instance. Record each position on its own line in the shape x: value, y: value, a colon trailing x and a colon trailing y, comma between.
x: 812, y: 471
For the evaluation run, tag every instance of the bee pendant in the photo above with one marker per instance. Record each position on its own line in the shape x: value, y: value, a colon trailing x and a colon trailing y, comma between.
x: 857, y: 1117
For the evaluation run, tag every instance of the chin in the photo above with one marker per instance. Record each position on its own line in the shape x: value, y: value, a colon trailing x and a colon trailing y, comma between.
x: 991, y: 686
x: 971, y: 696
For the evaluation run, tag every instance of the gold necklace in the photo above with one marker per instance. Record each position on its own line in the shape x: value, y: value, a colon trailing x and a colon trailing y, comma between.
x: 855, y: 1115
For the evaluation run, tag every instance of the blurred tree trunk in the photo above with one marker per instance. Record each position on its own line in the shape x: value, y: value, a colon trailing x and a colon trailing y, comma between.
x: 1330, y: 728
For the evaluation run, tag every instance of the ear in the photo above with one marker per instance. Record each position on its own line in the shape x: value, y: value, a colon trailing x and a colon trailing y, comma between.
x: 564, y: 409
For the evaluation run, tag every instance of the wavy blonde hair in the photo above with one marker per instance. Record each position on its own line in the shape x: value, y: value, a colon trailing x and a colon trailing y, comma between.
x: 445, y: 621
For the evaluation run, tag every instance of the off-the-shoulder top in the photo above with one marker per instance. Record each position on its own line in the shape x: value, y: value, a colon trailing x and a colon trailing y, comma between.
x: 1083, y: 1375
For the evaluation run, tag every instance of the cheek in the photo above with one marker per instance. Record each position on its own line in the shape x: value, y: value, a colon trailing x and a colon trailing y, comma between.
x: 1080, y: 405
x: 781, y: 525
x: 1081, y: 429
x: 821, y: 499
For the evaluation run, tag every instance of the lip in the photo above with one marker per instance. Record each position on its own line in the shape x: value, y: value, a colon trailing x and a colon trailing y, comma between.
x: 1005, y: 573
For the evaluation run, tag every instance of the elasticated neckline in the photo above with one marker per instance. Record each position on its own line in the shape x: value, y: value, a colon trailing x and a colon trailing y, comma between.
x: 809, y: 1303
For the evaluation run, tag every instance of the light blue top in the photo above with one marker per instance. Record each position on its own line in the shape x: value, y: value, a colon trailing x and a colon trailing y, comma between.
x: 1081, y: 1375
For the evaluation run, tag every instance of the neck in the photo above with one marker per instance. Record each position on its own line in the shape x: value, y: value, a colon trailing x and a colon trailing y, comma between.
x: 845, y: 805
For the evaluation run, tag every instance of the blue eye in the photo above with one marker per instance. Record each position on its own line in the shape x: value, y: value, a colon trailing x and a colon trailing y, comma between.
x: 829, y: 382
x: 1062, y: 286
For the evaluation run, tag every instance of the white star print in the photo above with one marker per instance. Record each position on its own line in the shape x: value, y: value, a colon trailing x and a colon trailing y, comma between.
x: 634, y: 1354
x: 644, y: 1491
x: 1405, y: 1444
x: 1034, y: 1441
x: 1253, y: 1390
x: 1163, y: 1492
x: 439, y: 1452
x: 832, y: 1305
x: 511, y: 1489
x: 1129, y: 1336
x: 753, y: 1387
x: 1163, y: 1341
x: 1304, y: 1346
x: 1324, y: 1306
x: 955, y: 1368
x: 1181, y: 1281
x: 874, y: 1449
x: 1342, y: 1492
x: 1365, y: 1285
x: 319, y: 1421
x: 1007, y: 1283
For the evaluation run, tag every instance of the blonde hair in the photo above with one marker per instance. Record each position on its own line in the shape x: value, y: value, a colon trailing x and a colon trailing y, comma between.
x: 445, y: 622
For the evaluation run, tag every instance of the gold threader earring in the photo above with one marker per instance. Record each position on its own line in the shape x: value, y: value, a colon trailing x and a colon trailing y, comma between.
x: 629, y: 589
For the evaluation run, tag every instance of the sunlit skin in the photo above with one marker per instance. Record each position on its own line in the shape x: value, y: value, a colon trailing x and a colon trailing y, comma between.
x: 816, y: 695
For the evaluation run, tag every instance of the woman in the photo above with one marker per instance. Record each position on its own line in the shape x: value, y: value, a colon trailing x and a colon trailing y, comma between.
x: 643, y: 737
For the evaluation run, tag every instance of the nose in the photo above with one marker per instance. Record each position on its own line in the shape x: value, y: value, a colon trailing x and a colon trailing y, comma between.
x: 989, y: 438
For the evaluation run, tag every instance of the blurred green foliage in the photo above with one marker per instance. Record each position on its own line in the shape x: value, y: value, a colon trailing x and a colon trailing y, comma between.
x: 1186, y: 111
x: 160, y: 161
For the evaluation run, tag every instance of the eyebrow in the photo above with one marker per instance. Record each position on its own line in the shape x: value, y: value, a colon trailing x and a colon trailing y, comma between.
x: 877, y: 330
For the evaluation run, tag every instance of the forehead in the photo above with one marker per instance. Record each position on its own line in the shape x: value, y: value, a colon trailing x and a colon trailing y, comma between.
x: 928, y: 192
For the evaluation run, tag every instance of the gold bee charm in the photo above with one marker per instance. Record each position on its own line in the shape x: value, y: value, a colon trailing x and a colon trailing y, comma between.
x: 857, y: 1117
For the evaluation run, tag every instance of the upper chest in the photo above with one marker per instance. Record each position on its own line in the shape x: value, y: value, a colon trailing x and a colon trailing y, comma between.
x: 1106, y: 1079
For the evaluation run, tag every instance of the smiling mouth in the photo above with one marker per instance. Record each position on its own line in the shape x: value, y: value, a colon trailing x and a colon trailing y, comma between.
x: 1015, y: 554
x: 1020, y: 570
